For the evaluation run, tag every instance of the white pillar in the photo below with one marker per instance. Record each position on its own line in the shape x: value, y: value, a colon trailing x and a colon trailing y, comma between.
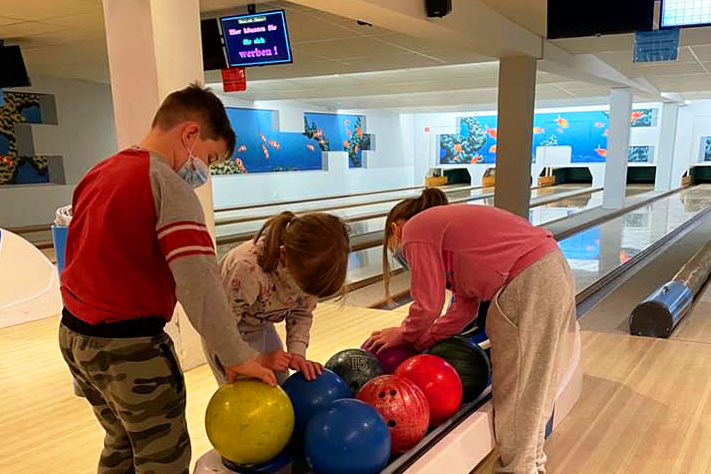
x: 154, y: 48
x: 618, y: 144
x: 517, y: 94
x: 667, y: 139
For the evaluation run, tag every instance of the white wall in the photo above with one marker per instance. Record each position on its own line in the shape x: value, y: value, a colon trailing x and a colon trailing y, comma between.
x: 694, y: 123
x: 389, y: 165
x: 84, y: 136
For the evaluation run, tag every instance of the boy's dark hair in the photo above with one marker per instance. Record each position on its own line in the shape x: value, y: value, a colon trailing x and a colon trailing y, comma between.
x: 200, y: 104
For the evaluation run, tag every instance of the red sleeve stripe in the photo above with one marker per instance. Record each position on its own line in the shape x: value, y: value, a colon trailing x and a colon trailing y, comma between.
x: 184, y: 238
x: 187, y: 251
x: 185, y: 232
x: 173, y: 226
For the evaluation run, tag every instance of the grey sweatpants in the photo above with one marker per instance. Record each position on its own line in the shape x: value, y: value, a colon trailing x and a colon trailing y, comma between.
x: 263, y: 340
x: 531, y: 326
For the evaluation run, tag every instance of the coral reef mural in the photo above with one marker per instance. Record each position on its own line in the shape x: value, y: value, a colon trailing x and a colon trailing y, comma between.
x: 640, y: 154
x: 464, y: 147
x: 705, y: 148
x: 346, y: 132
x: 585, y: 132
x: 641, y: 117
x: 261, y: 147
x: 15, y: 168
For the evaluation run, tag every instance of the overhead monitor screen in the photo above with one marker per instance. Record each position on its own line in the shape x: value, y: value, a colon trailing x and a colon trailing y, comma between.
x: 257, y: 39
x: 685, y: 13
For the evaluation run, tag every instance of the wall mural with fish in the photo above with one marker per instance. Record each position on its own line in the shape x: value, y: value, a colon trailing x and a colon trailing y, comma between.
x: 15, y: 168
x: 340, y: 133
x: 261, y: 147
x: 585, y: 132
x: 640, y: 154
x: 705, y: 148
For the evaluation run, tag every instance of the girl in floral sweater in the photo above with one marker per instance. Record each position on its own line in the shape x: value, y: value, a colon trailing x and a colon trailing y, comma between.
x: 279, y: 276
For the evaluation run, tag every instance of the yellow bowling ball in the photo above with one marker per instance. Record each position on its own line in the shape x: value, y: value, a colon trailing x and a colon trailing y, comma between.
x: 249, y: 422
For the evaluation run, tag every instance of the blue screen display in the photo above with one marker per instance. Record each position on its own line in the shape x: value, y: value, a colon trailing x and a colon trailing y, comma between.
x: 685, y: 13
x: 256, y: 40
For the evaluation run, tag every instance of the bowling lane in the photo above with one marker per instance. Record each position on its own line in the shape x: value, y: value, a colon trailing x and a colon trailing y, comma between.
x: 595, y: 252
x: 376, y: 224
x: 459, y: 190
x: 567, y: 207
x: 223, y: 230
x: 484, y: 196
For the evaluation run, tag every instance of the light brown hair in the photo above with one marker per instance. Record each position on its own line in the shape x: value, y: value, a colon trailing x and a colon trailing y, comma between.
x: 405, y: 210
x: 201, y: 105
x: 317, y: 249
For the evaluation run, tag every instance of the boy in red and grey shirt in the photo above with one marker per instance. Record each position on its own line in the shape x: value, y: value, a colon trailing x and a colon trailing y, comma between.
x: 137, y: 244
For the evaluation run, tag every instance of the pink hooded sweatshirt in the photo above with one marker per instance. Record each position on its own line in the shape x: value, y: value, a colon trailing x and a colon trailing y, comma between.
x: 471, y: 250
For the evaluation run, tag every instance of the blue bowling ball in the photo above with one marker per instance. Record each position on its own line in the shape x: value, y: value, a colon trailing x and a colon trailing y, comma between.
x: 349, y: 437
x: 274, y: 465
x: 309, y: 397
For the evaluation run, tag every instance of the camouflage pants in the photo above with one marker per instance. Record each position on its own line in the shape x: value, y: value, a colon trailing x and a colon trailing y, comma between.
x: 137, y: 391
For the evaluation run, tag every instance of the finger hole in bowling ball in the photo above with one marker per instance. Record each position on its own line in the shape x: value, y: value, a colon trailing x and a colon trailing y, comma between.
x: 393, y: 393
x: 391, y: 423
x: 381, y: 395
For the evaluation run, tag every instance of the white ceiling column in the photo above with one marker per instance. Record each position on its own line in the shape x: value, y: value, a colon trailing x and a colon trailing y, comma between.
x: 154, y: 49
x: 618, y: 145
x: 665, y: 154
x: 517, y: 95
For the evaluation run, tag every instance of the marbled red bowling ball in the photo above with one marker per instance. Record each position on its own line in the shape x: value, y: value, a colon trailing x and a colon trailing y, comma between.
x: 438, y: 380
x: 403, y: 406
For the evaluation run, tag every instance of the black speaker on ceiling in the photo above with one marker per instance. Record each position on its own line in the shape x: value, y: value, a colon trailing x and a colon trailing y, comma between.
x: 13, y: 72
x: 438, y: 8
x: 213, y: 54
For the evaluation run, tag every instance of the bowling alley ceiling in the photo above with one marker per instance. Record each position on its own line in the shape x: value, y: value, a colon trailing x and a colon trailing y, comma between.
x: 342, y: 64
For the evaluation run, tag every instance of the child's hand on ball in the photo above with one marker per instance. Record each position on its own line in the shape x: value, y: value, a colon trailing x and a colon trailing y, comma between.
x: 309, y: 368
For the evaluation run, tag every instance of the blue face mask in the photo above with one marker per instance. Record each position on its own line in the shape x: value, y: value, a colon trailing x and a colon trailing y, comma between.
x: 194, y: 171
x: 399, y: 257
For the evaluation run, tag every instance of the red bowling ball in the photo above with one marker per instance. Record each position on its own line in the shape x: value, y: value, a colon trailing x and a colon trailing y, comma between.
x: 438, y: 380
x: 403, y: 406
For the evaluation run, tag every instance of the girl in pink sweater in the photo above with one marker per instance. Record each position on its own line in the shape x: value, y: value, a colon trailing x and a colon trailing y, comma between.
x: 482, y: 253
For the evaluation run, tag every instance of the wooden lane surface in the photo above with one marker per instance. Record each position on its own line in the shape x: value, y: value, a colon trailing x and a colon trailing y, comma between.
x: 696, y: 326
x: 45, y: 428
x: 646, y: 404
x: 645, y: 408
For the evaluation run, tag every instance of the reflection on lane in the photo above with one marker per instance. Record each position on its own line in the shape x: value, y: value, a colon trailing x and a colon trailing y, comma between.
x: 383, y: 199
x: 376, y: 223
x: 595, y: 252
x: 567, y: 207
x: 365, y: 208
x: 583, y: 250
x: 365, y: 261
